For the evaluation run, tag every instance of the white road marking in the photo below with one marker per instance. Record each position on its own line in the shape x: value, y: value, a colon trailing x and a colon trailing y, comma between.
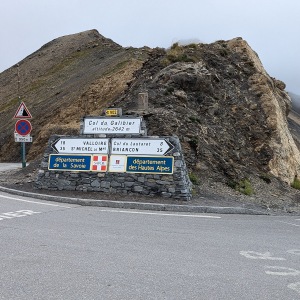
x: 34, y: 202
x: 17, y: 214
x: 159, y: 214
x: 289, y: 223
x: 294, y: 251
x: 285, y: 271
x: 295, y: 286
x: 258, y: 255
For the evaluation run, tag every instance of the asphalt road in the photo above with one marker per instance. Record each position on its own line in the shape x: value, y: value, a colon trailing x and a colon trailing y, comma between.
x: 56, y: 251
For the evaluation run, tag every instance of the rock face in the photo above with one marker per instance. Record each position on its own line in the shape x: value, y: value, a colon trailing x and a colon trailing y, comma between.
x: 229, y: 113
x: 276, y: 105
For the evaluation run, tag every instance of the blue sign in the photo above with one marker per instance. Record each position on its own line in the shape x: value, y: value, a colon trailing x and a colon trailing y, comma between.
x: 69, y: 162
x: 150, y: 164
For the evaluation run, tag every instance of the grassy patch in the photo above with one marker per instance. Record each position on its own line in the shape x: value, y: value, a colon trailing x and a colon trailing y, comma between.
x: 66, y: 62
x: 243, y: 186
x: 296, y: 183
x: 265, y: 177
x: 116, y: 68
x: 13, y: 102
x: 195, y: 119
x: 169, y: 90
x: 177, y: 54
x: 193, y: 178
x: 194, y: 142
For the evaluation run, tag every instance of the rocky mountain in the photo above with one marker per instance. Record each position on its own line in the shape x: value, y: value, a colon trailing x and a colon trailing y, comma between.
x: 229, y: 113
x: 65, y: 79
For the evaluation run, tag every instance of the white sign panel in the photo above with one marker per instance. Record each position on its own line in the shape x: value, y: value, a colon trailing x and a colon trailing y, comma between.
x: 23, y: 139
x: 81, y: 145
x: 140, y: 146
x: 107, y: 125
x: 117, y: 163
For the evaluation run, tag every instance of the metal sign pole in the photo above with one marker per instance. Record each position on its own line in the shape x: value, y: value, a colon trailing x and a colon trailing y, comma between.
x: 23, y: 155
x: 23, y: 150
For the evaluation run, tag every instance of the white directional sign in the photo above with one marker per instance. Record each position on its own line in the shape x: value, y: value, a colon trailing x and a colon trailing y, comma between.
x: 140, y: 146
x: 105, y: 125
x: 81, y: 145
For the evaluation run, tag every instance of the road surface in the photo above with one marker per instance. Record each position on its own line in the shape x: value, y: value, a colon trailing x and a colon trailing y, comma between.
x: 52, y: 250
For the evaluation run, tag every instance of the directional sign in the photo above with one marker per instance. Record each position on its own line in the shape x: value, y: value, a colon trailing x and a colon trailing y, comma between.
x: 63, y: 162
x: 81, y: 145
x: 148, y: 164
x: 23, y: 127
x: 23, y: 139
x: 140, y: 146
x: 22, y: 112
x: 106, y: 125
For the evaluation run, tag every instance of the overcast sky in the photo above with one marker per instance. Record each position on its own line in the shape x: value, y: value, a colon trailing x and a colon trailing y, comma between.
x: 271, y: 27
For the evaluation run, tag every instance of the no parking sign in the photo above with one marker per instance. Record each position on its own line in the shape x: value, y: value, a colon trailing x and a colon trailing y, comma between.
x: 23, y: 127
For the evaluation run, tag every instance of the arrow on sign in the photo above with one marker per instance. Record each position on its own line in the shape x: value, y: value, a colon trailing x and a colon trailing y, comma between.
x: 140, y: 146
x: 79, y: 145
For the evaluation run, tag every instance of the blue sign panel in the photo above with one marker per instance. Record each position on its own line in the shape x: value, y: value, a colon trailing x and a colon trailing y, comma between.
x: 150, y: 164
x: 69, y: 162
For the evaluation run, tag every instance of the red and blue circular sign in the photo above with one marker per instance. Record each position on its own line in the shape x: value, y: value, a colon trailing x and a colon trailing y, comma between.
x: 23, y: 127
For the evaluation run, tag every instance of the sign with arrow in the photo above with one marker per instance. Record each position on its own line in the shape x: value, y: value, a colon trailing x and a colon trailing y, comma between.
x: 80, y: 145
x: 132, y: 146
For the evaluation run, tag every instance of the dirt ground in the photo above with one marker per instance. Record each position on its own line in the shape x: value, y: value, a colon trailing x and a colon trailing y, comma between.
x: 274, y: 197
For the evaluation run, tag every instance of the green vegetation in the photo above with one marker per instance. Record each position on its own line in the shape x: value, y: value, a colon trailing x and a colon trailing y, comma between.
x: 36, y: 85
x: 66, y: 62
x: 194, y: 142
x: 177, y: 54
x: 13, y: 102
x: 296, y: 183
x: 192, y: 45
x: 243, y: 186
x: 265, y: 177
x: 193, y: 178
x: 195, y: 119
x: 119, y: 66
x: 223, y: 52
x: 169, y: 90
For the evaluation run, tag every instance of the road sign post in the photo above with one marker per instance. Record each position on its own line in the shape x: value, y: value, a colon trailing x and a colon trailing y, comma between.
x: 23, y: 128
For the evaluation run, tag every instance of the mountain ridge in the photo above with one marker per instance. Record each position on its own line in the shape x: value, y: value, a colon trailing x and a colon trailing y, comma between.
x: 229, y: 114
